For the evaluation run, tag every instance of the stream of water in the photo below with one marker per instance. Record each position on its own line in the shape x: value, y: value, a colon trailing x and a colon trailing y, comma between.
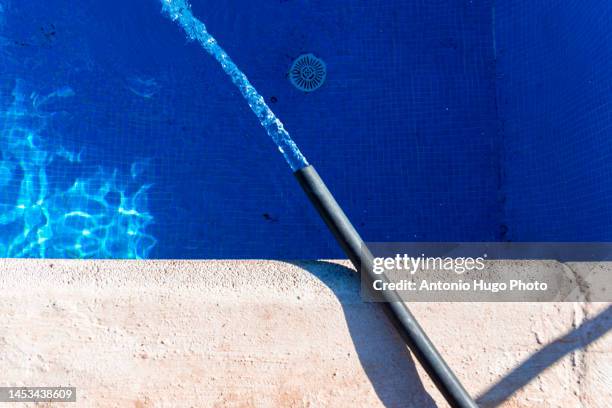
x: 180, y: 12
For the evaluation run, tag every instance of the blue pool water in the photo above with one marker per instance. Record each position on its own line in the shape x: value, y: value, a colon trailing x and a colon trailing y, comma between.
x: 83, y: 213
x: 180, y: 11
x: 438, y: 121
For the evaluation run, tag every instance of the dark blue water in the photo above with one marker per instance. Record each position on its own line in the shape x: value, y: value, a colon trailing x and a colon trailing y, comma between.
x: 438, y: 121
x: 554, y: 94
x: 181, y: 13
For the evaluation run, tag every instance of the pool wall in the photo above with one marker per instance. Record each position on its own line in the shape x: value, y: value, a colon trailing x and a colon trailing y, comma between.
x: 554, y: 64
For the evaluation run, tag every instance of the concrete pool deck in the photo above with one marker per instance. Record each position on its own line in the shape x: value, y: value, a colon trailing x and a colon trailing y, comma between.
x: 280, y: 334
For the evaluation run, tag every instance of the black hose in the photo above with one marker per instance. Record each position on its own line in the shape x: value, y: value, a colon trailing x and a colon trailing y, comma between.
x: 410, y: 330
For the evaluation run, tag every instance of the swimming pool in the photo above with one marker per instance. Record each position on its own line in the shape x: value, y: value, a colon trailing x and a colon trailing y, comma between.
x: 437, y: 121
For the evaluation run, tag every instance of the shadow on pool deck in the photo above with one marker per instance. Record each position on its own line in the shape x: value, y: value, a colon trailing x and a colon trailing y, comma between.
x: 382, y: 352
x: 577, y: 339
x: 390, y: 367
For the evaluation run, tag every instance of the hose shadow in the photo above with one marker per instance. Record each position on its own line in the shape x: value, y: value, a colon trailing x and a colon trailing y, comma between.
x: 582, y: 336
x: 381, y: 351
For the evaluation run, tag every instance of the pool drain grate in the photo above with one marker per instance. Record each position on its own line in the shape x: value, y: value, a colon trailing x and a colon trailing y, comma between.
x: 307, y: 73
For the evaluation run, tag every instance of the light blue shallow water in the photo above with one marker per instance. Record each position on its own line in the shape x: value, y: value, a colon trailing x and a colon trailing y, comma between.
x: 98, y: 215
x: 180, y: 11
